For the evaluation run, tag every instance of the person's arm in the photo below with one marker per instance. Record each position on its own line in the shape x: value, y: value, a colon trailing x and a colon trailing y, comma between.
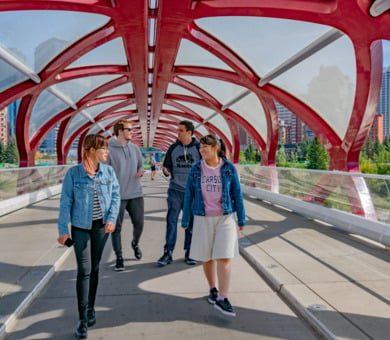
x: 66, y: 203
x: 115, y: 202
x: 167, y: 163
x: 236, y: 195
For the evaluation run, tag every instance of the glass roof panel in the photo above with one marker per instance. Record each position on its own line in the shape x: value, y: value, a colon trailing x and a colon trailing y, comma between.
x: 26, y: 32
x: 251, y: 109
x: 194, y: 55
x: 111, y: 53
x: 9, y: 76
x: 169, y: 108
x: 79, y: 119
x: 176, y: 89
x: 123, y: 89
x: 45, y: 107
x: 220, y: 122
x: 255, y: 38
x: 326, y: 81
x: 202, y: 111
x: 48, y: 105
x: 223, y: 91
x: 96, y: 128
x: 126, y: 108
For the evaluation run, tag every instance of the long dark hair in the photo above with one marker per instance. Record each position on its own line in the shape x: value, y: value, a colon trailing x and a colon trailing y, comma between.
x: 213, y: 141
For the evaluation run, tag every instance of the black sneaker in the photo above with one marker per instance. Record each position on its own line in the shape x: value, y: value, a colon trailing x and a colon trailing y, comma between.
x: 165, y: 259
x: 224, y: 307
x: 119, y: 266
x: 137, y: 251
x: 81, y: 330
x: 213, y: 296
x: 91, y: 317
x: 188, y: 259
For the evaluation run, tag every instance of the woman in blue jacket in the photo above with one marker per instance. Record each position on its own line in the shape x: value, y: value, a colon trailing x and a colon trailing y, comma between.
x: 90, y: 202
x: 213, y: 194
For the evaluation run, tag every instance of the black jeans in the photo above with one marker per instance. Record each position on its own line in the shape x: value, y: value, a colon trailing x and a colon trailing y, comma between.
x: 88, y: 247
x: 135, y: 209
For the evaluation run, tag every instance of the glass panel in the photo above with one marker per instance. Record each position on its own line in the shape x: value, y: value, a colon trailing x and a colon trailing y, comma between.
x: 175, y: 89
x: 221, y: 90
x: 127, y: 108
x: 255, y: 38
x: 326, y: 82
x: 202, y: 111
x: 123, y: 89
x: 104, y: 123
x: 9, y: 76
x: 79, y: 119
x: 27, y: 32
x: 386, y: 53
x: 193, y: 55
x: 169, y: 108
x: 48, y: 105
x: 111, y: 53
x: 220, y: 122
x: 251, y: 109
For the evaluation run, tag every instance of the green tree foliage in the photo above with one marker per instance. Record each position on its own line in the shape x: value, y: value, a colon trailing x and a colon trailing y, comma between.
x: 11, y: 152
x: 250, y: 154
x: 2, y: 152
x: 281, y: 157
x: 317, y: 157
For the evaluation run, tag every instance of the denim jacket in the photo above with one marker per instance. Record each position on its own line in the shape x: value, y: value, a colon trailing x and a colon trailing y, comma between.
x: 232, y: 200
x: 76, y: 204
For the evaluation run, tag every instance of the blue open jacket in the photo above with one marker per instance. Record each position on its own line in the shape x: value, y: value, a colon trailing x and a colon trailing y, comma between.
x: 232, y: 200
x: 76, y: 204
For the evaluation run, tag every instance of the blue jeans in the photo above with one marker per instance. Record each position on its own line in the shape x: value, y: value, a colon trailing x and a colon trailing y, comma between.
x: 175, y: 205
x: 88, y: 247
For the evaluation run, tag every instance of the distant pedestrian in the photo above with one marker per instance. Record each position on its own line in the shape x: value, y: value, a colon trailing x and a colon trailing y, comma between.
x: 90, y: 203
x: 152, y: 163
x: 126, y: 159
x: 177, y: 163
x: 213, y: 194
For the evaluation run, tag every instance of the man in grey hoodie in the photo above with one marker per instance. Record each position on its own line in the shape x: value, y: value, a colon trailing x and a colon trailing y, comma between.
x: 126, y: 159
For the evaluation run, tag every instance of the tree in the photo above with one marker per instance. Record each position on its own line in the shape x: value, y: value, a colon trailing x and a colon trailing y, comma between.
x: 11, y: 152
x: 317, y: 157
x: 281, y: 158
x: 250, y: 154
x: 2, y: 152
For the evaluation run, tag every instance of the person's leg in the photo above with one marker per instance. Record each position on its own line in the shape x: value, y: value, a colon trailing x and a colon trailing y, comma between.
x: 223, y: 273
x: 98, y: 241
x: 174, y: 208
x: 209, y: 269
x: 135, y: 208
x: 116, y: 235
x: 83, y: 260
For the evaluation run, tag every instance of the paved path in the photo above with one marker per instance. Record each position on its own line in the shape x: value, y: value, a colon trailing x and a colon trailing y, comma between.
x: 289, y: 264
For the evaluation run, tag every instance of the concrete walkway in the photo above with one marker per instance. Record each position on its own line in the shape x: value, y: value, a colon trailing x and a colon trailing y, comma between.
x: 338, y: 285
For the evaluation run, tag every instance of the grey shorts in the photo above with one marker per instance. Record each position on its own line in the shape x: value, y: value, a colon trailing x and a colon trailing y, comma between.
x: 214, y: 238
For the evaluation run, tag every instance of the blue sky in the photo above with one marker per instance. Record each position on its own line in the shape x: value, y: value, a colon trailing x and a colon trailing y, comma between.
x: 386, y: 53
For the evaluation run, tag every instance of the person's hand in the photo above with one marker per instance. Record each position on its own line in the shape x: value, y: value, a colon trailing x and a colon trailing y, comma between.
x: 109, y: 227
x: 165, y: 171
x: 140, y: 173
x: 62, y: 238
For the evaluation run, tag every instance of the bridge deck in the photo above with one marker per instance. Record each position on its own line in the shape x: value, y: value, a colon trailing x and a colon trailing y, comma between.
x: 289, y: 264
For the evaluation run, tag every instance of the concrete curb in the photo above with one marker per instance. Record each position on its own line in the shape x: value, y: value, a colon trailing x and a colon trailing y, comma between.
x: 10, y: 321
x: 281, y: 290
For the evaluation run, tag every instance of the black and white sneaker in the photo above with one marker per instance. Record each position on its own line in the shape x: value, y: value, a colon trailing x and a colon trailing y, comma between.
x: 165, y: 259
x: 137, y: 250
x: 224, y: 307
x: 119, y: 266
x: 188, y: 259
x: 212, y: 298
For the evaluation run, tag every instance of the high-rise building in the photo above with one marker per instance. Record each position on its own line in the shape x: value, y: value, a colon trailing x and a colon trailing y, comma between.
x: 376, y: 130
x: 384, y: 101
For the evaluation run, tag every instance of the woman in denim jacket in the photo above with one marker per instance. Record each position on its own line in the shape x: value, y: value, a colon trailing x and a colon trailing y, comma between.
x: 90, y: 202
x: 213, y: 194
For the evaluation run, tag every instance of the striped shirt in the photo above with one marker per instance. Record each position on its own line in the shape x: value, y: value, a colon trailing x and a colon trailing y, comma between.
x: 97, y: 211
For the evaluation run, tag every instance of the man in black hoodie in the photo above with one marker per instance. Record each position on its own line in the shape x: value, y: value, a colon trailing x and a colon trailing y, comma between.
x: 177, y: 163
x: 126, y: 159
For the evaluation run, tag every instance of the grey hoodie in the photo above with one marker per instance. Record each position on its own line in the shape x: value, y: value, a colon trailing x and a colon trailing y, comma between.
x: 127, y: 161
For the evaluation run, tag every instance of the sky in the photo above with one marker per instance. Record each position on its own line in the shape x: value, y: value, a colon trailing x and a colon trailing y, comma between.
x: 386, y: 53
